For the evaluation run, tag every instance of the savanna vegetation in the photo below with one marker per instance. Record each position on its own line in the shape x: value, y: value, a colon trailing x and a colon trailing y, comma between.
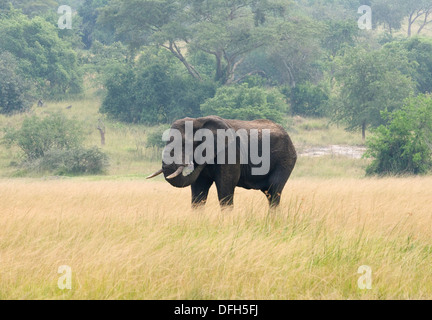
x: 82, y: 112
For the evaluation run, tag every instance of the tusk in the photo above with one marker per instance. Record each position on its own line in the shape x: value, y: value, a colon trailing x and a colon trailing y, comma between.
x: 155, y: 174
x: 175, y: 174
x: 188, y: 170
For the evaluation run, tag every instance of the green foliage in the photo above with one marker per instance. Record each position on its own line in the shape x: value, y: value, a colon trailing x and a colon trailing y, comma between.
x: 76, y: 161
x: 42, y: 55
x: 389, y: 13
x: 37, y: 136
x: 154, y: 90
x: 419, y: 52
x: 33, y: 8
x: 296, y: 51
x: 339, y: 34
x: 244, y: 103
x: 15, y: 91
x: 91, y: 30
x: 228, y: 31
x: 307, y: 99
x: 369, y: 82
x: 154, y: 137
x: 404, y: 145
x: 54, y: 144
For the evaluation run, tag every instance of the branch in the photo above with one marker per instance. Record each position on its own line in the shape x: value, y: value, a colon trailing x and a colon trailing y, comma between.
x: 232, y: 71
x: 249, y: 74
x: 175, y: 50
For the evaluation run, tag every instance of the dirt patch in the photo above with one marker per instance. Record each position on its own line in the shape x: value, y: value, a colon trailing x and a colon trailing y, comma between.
x: 354, y: 152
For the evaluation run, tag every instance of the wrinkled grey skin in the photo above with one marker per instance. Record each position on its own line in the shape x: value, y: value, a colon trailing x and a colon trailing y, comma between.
x: 229, y: 176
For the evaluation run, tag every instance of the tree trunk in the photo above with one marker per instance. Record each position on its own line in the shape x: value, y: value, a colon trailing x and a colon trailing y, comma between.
x: 102, y: 133
x: 364, y: 130
x: 175, y: 50
x: 101, y: 128
x: 425, y: 22
x: 410, y: 23
x: 219, y: 77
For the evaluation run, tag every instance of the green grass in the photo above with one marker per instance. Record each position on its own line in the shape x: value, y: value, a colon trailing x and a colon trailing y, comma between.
x: 130, y: 158
x: 320, y: 132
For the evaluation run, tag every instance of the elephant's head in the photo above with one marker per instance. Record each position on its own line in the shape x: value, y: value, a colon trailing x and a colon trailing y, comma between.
x: 179, y: 166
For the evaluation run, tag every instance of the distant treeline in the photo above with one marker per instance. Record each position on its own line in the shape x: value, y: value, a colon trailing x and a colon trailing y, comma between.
x: 159, y: 60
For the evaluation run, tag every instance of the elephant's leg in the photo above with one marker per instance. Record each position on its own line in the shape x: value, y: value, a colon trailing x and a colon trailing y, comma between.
x: 273, y: 194
x: 276, y: 185
x: 226, y: 179
x: 226, y: 196
x: 200, y: 189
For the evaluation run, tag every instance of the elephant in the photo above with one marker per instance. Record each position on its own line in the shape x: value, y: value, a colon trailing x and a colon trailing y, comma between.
x: 228, y: 175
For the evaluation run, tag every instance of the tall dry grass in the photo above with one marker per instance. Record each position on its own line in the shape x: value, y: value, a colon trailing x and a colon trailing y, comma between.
x: 141, y: 240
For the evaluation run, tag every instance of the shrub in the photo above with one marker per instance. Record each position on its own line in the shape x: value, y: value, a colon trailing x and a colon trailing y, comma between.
x: 75, y: 161
x: 154, y: 137
x: 244, y: 103
x: 37, y: 135
x: 404, y: 145
x: 54, y: 144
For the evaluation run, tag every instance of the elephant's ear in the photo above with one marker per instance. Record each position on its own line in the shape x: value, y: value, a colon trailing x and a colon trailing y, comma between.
x: 212, y: 123
x: 227, y: 144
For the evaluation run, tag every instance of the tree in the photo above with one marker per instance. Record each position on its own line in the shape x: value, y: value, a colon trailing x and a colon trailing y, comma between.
x: 307, y: 99
x: 89, y: 11
x: 153, y: 90
x: 339, y: 34
x: 368, y: 82
x: 226, y: 30
x: 41, y: 54
x: 389, y: 13
x: 296, y: 51
x: 404, y: 145
x: 15, y: 91
x: 418, y: 10
x: 419, y: 53
x: 30, y: 8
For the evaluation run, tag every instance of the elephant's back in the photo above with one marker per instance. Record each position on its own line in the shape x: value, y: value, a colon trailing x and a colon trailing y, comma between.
x: 281, y: 144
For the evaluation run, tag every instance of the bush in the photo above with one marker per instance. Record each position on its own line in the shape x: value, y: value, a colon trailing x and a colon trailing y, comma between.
x: 404, y: 145
x: 54, y: 144
x: 75, y: 161
x: 154, y: 137
x: 37, y: 135
x: 244, y: 103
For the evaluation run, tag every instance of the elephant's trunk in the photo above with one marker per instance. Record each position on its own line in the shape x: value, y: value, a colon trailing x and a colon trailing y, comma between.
x: 180, y: 177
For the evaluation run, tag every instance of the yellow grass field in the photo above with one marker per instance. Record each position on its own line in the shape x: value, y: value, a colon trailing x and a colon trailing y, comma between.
x: 134, y: 239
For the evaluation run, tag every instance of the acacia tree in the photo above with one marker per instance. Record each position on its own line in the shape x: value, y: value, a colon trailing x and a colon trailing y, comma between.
x: 391, y: 14
x: 296, y: 50
x: 227, y: 30
x: 418, y: 10
x: 368, y: 82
